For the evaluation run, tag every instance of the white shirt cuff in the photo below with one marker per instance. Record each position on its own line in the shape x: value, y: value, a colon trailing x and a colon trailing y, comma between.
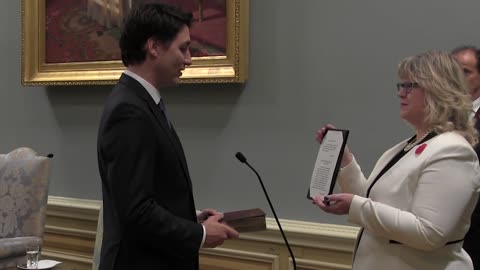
x: 204, y: 236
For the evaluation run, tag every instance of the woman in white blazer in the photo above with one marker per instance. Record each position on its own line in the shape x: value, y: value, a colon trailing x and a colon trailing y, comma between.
x: 414, y: 209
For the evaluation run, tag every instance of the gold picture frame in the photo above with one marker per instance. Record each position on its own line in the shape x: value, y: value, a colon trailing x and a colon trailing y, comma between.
x: 229, y: 68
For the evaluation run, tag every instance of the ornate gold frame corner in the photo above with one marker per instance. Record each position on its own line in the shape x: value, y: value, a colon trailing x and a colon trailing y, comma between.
x: 231, y: 68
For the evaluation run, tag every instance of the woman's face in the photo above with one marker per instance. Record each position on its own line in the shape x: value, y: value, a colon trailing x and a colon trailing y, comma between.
x: 412, y: 102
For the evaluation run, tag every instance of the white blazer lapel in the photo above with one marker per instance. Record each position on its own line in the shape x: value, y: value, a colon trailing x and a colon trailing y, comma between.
x: 385, y: 158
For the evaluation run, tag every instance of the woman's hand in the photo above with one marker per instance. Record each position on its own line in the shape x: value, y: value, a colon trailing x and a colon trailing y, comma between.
x: 321, y: 132
x: 347, y: 155
x: 338, y: 204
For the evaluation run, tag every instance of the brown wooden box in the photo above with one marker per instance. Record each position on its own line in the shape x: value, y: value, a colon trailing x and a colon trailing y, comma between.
x: 249, y: 220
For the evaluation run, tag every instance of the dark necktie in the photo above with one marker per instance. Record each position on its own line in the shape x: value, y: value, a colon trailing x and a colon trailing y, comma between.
x: 164, y: 112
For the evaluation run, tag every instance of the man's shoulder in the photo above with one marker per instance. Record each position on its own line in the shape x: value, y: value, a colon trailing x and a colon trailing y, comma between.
x: 126, y: 91
x: 123, y: 103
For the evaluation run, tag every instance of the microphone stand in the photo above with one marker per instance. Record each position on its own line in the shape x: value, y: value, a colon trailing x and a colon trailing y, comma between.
x: 244, y: 160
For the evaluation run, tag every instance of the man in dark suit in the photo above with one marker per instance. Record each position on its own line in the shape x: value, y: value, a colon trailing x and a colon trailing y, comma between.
x: 469, y: 59
x: 149, y: 212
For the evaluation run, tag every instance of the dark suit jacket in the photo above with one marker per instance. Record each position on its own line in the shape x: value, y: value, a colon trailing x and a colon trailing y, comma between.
x: 149, y: 212
x: 472, y: 239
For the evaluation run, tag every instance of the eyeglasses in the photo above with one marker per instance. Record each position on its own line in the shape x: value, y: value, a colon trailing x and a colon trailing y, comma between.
x: 407, y: 86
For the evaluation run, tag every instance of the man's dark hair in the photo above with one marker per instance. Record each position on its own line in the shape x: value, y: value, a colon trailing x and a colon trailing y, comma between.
x: 469, y: 48
x: 160, y: 21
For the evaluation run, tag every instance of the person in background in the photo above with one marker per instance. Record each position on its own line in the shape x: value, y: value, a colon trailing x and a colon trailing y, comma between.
x: 469, y: 59
x: 414, y: 209
x: 149, y: 211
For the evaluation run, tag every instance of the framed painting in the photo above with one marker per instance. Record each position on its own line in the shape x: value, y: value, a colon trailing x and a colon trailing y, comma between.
x: 75, y: 42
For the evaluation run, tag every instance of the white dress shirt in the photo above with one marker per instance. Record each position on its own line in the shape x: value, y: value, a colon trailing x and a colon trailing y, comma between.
x: 476, y: 106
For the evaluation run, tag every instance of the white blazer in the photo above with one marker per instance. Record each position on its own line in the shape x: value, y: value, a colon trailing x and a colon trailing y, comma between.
x: 423, y: 202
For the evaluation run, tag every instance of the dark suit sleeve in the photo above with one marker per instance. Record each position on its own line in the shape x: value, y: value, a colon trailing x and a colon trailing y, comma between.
x: 130, y: 149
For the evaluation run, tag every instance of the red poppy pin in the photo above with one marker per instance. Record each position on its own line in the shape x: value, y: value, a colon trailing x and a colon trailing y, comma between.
x: 420, y: 149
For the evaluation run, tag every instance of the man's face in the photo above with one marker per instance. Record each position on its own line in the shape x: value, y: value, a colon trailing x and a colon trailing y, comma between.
x: 173, y: 58
x: 468, y: 62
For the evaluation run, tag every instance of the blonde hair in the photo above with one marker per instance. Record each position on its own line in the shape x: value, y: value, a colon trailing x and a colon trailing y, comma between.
x: 447, y: 96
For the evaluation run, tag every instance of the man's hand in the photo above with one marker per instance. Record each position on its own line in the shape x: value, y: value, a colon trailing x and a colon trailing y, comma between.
x: 217, y: 232
x: 203, y: 215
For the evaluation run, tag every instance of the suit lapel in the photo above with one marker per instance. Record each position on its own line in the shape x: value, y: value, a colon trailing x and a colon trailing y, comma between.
x: 387, y: 156
x: 155, y: 110
x: 177, y: 145
x: 141, y: 92
x: 172, y: 136
x: 174, y: 140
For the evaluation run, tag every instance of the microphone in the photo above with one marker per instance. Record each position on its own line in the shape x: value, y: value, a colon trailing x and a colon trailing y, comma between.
x: 243, y: 159
x: 50, y: 155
